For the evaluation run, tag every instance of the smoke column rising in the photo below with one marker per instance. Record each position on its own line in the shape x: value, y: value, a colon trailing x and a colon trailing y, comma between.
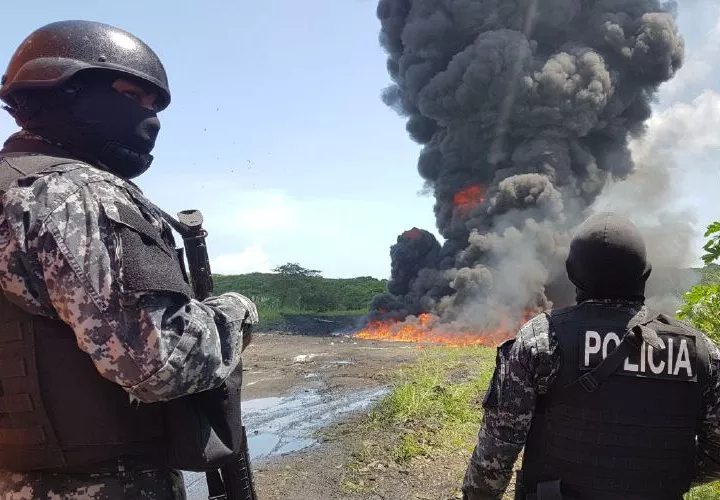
x: 525, y: 109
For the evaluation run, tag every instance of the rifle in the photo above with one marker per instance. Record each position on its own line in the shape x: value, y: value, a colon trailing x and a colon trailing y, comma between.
x: 519, y: 486
x: 232, y: 481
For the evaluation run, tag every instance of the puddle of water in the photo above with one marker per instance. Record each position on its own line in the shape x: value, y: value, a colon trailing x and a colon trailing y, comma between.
x: 344, y: 362
x: 263, y: 444
x: 259, y: 404
x: 280, y: 425
x: 268, y: 443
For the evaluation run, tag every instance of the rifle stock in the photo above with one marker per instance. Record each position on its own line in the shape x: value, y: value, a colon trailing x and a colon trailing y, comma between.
x: 233, y: 481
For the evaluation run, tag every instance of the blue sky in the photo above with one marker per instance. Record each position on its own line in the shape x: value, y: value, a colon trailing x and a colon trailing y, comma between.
x: 278, y: 134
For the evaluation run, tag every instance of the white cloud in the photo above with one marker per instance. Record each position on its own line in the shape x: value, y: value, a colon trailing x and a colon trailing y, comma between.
x: 251, y: 260
x: 683, y: 126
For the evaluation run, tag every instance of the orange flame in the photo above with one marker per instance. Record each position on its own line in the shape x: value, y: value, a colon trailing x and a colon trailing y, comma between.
x: 426, y: 329
x: 468, y: 198
x: 412, y: 234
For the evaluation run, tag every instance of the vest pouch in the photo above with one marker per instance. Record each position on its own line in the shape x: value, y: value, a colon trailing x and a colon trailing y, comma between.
x: 204, y: 430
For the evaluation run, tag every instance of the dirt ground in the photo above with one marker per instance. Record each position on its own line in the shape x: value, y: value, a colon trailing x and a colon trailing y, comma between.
x: 335, y: 367
x: 278, y: 365
x: 302, y: 395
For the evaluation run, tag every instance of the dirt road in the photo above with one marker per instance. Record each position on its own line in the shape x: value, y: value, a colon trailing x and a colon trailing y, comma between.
x: 295, y: 386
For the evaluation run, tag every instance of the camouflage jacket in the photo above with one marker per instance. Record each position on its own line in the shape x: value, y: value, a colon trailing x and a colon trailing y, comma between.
x: 528, y: 367
x: 61, y: 257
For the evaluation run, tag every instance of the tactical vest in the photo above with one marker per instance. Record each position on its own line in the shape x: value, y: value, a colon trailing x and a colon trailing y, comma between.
x: 633, y: 436
x: 56, y: 411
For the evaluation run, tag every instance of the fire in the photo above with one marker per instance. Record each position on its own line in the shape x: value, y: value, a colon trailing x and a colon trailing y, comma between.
x: 412, y: 234
x: 468, y: 198
x: 425, y: 329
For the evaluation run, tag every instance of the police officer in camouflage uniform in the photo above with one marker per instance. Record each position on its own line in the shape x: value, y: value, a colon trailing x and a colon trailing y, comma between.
x: 97, y: 324
x: 610, y: 399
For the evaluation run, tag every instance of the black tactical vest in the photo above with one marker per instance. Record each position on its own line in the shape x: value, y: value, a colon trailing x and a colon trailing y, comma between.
x: 56, y: 411
x: 633, y: 437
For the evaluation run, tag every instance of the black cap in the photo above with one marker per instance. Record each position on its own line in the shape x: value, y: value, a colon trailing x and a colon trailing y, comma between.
x: 53, y: 54
x: 608, y: 259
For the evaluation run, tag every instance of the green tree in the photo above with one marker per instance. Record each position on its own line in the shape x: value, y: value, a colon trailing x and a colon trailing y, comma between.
x: 702, y: 308
x: 712, y: 247
x: 298, y: 287
x: 710, y: 274
x: 294, y: 270
x: 701, y: 305
x: 318, y: 297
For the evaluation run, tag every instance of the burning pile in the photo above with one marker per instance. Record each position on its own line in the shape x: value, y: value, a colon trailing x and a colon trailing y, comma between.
x: 524, y: 109
x: 427, y: 328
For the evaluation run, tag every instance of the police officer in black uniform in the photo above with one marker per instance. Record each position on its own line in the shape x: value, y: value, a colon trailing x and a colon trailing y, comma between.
x: 611, y: 400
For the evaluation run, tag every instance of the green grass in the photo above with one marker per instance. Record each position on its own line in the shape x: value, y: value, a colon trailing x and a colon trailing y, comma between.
x: 435, y: 403
x: 433, y: 409
x: 706, y: 492
x: 269, y: 314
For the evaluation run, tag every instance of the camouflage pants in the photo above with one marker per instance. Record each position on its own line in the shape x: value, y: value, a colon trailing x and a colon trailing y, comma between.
x: 155, y: 484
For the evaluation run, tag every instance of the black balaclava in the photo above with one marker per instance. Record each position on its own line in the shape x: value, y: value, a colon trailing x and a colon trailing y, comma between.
x: 90, y: 119
x: 608, y: 260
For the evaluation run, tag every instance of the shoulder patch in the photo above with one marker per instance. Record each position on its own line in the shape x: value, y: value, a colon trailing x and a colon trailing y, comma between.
x: 149, y: 263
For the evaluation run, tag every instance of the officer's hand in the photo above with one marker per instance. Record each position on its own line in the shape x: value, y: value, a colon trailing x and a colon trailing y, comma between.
x: 252, y: 319
x: 242, y: 309
x: 251, y: 316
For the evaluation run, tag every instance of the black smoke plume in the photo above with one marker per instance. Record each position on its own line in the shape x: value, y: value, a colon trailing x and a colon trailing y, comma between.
x: 525, y: 109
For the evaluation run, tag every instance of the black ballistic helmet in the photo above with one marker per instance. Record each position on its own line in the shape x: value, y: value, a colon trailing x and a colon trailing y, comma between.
x: 608, y: 259
x: 55, y: 53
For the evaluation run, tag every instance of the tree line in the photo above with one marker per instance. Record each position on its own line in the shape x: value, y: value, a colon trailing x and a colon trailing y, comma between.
x: 291, y: 288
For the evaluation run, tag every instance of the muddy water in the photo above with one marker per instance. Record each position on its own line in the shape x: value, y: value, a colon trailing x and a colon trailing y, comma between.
x: 281, y: 425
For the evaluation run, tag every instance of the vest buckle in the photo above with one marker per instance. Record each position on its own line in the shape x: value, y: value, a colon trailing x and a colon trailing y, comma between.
x: 588, y: 382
